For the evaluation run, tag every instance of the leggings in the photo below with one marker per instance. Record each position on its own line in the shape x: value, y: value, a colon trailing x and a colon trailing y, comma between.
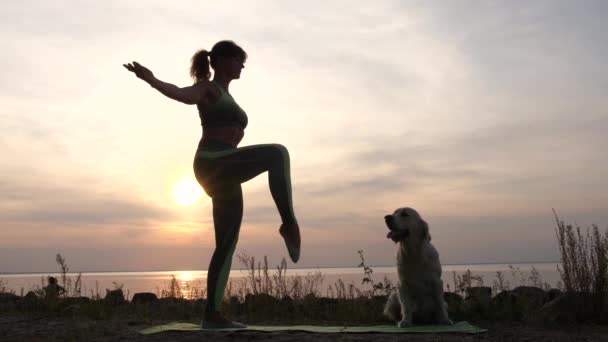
x: 220, y: 170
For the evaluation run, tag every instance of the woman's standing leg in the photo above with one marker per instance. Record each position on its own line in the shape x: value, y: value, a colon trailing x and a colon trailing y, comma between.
x: 221, y: 173
x: 227, y: 216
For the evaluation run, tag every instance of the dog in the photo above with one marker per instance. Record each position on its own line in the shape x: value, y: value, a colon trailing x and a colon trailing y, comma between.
x: 419, y: 297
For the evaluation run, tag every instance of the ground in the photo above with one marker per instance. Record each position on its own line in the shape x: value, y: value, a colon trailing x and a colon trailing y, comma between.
x: 40, y: 328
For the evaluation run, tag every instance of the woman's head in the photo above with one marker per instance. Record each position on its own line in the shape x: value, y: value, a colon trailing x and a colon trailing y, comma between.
x: 52, y: 280
x: 225, y: 57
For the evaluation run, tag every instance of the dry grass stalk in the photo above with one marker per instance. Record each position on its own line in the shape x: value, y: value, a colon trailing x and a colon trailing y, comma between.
x: 584, y: 263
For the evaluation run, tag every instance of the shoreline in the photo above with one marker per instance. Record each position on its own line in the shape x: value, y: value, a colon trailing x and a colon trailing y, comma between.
x: 155, y: 282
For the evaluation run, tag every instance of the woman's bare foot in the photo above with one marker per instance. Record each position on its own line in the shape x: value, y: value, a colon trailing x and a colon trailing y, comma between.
x: 291, y: 235
x: 215, y: 320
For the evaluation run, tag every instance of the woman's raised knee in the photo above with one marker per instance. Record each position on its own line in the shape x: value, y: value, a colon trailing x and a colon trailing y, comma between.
x: 282, y: 149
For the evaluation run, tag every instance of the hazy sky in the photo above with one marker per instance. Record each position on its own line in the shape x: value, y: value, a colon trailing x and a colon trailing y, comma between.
x: 482, y: 115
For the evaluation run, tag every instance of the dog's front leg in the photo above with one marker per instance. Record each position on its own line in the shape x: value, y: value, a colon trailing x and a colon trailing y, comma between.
x: 442, y: 315
x: 407, y: 307
x: 442, y: 307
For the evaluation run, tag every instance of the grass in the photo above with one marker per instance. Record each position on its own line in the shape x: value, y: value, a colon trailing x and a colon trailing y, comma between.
x: 3, y: 286
x: 269, y: 295
x: 584, y: 263
x: 584, y: 270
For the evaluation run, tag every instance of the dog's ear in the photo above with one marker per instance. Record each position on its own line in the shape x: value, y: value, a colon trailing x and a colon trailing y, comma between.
x: 424, y: 232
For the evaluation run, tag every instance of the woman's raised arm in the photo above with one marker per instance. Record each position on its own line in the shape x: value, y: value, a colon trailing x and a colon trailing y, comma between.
x: 189, y: 95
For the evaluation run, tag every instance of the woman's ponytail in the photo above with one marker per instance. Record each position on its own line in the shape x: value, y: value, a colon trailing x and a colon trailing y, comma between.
x: 199, y: 67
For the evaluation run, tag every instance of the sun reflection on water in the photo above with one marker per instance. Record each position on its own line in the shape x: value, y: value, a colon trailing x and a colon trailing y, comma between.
x: 187, y: 284
x: 185, y: 276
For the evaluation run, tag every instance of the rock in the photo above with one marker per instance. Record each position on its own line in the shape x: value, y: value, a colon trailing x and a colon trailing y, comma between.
x: 504, y: 299
x: 144, y: 297
x: 479, y: 293
x: 326, y: 309
x: 455, y: 304
x: 260, y: 299
x: 287, y: 304
x: 452, y: 298
x: 477, y: 302
x: 234, y: 306
x: 310, y: 297
x: 233, y: 301
x: 261, y: 305
x: 76, y: 300
x: 114, y: 297
x: 529, y: 298
x: 30, y: 296
x: 380, y: 298
x: 171, y: 300
x: 6, y: 297
x: 287, y: 301
x: 518, y: 304
x: 551, y: 295
x: 567, y: 308
x: 327, y: 302
x: 504, y: 306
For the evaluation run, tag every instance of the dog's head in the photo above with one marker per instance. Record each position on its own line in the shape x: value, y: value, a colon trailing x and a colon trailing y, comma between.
x: 406, y: 225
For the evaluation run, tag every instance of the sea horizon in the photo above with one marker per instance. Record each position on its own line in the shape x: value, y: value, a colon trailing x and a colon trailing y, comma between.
x: 273, y: 267
x: 513, y: 275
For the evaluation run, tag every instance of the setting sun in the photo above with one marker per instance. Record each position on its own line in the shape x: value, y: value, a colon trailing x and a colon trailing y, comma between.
x: 186, y: 191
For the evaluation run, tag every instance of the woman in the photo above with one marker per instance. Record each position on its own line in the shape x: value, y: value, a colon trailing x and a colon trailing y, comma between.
x: 52, y: 291
x: 220, y: 167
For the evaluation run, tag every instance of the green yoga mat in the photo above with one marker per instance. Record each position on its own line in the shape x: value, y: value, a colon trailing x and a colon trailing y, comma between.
x: 461, y: 327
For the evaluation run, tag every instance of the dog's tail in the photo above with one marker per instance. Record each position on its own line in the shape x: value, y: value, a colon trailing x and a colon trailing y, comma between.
x: 392, y: 308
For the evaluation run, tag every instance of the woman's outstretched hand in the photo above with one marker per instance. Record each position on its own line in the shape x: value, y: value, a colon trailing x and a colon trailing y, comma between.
x: 140, y: 71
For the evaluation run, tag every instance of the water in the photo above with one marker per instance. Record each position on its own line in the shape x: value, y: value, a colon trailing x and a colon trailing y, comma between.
x: 133, y: 282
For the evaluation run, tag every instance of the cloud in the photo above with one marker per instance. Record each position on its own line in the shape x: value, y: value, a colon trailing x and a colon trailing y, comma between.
x: 464, y: 110
x: 39, y: 206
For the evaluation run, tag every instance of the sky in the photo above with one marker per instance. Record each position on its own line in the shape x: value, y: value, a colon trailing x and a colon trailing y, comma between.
x: 482, y: 115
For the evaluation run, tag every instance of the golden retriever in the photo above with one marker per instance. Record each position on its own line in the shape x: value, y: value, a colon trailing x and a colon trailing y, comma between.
x: 419, y: 298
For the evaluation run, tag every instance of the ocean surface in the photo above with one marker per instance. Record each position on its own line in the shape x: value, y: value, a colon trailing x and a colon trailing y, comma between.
x: 190, y: 281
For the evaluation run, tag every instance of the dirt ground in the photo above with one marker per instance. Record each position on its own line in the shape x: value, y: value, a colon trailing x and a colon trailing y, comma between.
x: 61, y: 329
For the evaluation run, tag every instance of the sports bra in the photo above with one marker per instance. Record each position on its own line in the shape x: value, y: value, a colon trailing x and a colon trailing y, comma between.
x: 224, y: 112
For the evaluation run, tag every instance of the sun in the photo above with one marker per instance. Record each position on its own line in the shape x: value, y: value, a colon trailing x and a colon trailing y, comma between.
x: 186, y: 191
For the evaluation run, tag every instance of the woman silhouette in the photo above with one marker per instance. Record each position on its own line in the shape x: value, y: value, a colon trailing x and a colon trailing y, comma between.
x: 220, y: 167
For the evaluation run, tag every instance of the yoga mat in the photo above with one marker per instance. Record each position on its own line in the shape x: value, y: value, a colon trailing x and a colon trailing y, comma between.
x: 461, y: 327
